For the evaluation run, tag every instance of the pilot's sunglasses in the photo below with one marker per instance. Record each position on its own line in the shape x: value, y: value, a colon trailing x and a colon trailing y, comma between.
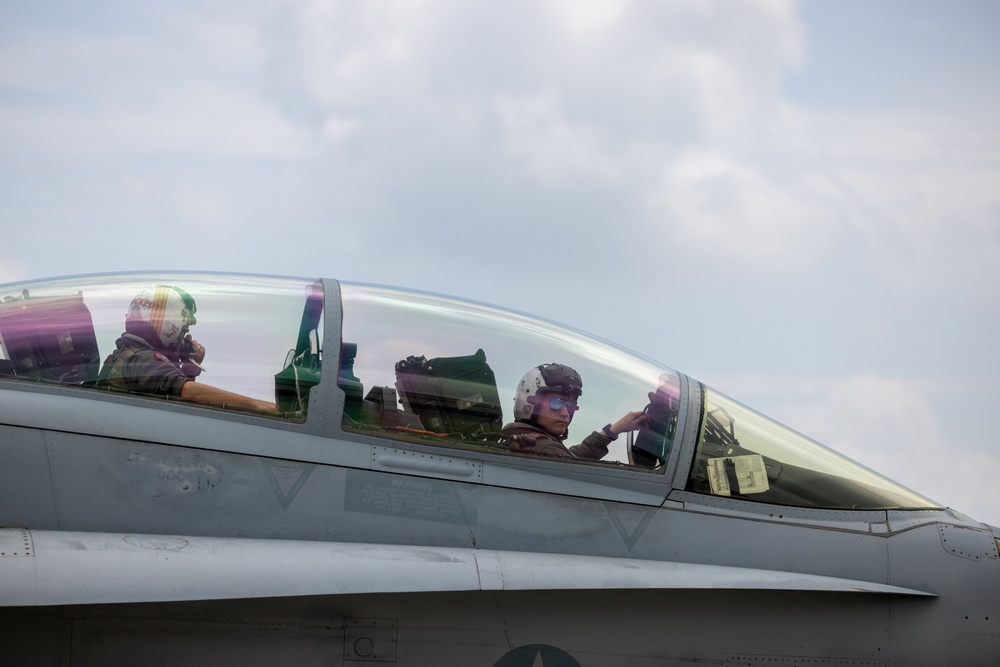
x: 556, y: 404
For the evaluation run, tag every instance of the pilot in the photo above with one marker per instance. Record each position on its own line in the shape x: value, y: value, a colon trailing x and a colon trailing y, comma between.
x: 157, y: 355
x: 544, y: 405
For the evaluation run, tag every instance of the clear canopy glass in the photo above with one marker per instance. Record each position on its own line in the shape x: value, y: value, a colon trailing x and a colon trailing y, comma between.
x: 63, y: 330
x: 414, y: 367
x: 742, y: 453
x: 392, y: 330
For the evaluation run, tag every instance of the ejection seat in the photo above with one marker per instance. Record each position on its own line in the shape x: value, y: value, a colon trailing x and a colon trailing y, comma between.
x: 49, y: 338
x: 452, y: 395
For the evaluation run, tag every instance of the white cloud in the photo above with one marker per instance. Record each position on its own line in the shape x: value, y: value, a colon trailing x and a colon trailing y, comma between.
x: 336, y: 128
x: 186, y: 119
x: 906, y: 196
x: 588, y: 19
x: 734, y: 212
x: 673, y: 113
x: 590, y: 102
x: 184, y: 83
x: 679, y: 106
x: 890, y: 425
x: 536, y: 134
x: 352, y: 54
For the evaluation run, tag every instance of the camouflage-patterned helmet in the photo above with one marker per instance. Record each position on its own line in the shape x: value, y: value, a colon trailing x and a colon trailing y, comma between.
x: 551, y: 378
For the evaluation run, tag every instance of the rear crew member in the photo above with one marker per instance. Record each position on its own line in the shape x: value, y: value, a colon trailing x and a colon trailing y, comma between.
x: 157, y: 355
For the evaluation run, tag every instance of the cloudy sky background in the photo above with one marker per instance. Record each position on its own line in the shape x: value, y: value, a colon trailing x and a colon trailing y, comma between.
x: 794, y: 202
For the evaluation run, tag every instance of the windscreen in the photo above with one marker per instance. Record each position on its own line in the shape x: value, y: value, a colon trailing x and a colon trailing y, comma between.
x: 743, y: 454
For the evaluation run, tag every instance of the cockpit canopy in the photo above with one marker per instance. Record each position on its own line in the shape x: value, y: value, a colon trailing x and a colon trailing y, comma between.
x: 427, y: 370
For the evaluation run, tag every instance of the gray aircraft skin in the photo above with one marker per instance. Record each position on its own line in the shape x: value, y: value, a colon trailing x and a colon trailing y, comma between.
x: 381, y: 517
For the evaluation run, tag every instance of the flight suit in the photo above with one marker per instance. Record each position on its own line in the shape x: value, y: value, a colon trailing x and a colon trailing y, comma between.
x: 536, y: 440
x: 136, y: 365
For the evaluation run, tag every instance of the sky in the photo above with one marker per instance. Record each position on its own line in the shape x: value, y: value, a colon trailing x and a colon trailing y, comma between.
x: 795, y: 203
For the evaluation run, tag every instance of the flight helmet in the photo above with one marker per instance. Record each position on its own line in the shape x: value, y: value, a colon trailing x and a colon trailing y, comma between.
x: 553, y: 378
x: 163, y: 310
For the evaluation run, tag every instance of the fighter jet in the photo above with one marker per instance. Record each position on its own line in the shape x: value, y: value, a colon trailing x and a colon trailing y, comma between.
x: 205, y: 469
